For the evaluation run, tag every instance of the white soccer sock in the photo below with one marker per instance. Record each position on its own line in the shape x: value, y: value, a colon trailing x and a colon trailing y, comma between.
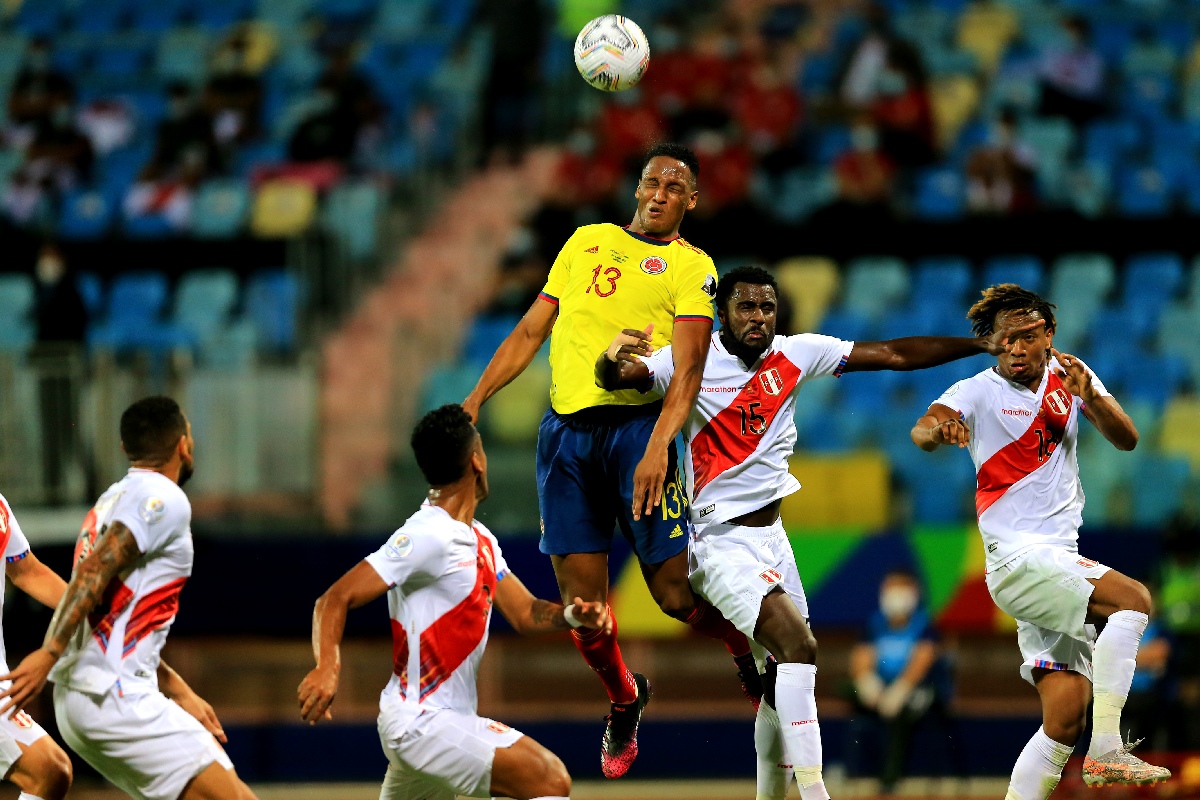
x: 796, y: 702
x: 1112, y: 665
x: 27, y: 796
x: 774, y: 774
x: 1038, y: 768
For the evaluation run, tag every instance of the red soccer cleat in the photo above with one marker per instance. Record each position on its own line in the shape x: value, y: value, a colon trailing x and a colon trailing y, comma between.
x: 619, y: 747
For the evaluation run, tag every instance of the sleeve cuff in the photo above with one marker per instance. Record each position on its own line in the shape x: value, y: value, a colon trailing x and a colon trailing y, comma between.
x: 18, y: 557
x: 698, y: 317
x: 549, y: 298
x: 841, y: 367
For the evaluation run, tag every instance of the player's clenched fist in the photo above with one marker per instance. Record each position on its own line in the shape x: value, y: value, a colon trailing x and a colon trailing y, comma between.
x: 951, y: 431
x: 592, y: 615
x: 1076, y: 377
x: 316, y: 694
x: 631, y: 344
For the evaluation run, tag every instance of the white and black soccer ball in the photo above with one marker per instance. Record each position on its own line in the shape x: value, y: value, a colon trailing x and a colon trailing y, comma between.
x: 611, y: 53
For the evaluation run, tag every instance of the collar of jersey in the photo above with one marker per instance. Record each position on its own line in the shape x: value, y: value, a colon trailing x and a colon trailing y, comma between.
x: 716, y: 338
x: 649, y: 239
x: 1041, y: 390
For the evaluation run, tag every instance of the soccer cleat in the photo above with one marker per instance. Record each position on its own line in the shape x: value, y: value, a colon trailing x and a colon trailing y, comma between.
x: 1121, y: 766
x: 619, y: 747
x: 752, y: 684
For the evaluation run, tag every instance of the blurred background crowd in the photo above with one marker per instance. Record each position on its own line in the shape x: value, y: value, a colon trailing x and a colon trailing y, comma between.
x: 312, y: 220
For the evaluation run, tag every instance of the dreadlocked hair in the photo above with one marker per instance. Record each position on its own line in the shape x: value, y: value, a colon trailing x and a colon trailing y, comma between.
x: 1007, y: 297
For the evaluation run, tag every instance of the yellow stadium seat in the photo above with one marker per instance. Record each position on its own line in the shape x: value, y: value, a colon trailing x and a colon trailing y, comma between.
x: 809, y: 283
x: 283, y: 208
x: 513, y: 415
x: 985, y: 29
x: 955, y: 99
x: 840, y: 491
x: 1181, y: 430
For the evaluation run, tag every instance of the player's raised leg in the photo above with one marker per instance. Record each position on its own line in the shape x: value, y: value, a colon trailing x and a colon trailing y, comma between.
x: 216, y: 782
x: 528, y: 771
x: 1125, y: 604
x: 43, y: 770
x: 1064, y: 695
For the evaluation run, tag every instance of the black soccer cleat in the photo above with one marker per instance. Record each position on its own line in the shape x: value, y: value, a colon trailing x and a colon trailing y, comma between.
x: 619, y: 747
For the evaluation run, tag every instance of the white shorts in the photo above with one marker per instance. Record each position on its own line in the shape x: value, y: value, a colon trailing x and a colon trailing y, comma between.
x: 1046, y: 590
x: 21, y: 729
x: 734, y: 567
x: 442, y: 754
x: 144, y: 744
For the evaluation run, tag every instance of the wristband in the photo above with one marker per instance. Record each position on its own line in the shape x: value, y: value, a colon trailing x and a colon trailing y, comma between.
x: 569, y: 616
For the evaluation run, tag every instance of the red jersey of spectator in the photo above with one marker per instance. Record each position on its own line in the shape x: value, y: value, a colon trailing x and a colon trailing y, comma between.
x: 766, y: 109
x: 629, y: 131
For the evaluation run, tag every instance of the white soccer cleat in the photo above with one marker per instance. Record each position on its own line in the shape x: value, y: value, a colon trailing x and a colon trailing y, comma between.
x: 1121, y: 766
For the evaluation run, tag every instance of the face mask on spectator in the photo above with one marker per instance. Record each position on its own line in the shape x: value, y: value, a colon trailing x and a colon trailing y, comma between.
x: 898, y: 602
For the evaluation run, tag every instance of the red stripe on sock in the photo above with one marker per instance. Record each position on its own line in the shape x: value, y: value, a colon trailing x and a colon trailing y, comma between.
x: 601, y: 652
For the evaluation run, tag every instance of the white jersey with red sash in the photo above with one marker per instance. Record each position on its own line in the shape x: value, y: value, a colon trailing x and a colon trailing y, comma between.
x: 442, y: 576
x: 742, y: 430
x: 1023, y: 444
x: 15, y: 547
x: 121, y: 640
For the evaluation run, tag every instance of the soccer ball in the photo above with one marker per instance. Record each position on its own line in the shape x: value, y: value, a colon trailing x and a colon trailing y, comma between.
x: 611, y: 53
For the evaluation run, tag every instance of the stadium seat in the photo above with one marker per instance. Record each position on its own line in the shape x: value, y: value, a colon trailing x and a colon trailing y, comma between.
x: 1088, y: 189
x: 400, y: 18
x: 220, y: 14
x: 1181, y: 431
x: 39, y: 19
x: 136, y: 299
x: 204, y: 301
x: 940, y: 194
x: 1143, y: 192
x: 449, y: 382
x: 943, y: 491
x: 1110, y: 141
x: 220, y: 209
x: 1155, y: 379
x: 17, y: 295
x: 155, y: 16
x: 985, y: 29
x: 844, y: 324
x: 1158, y: 490
x: 352, y: 214
x: 1149, y: 97
x: 148, y: 226
x: 874, y: 285
x: 1178, y: 333
x: 1085, y: 279
x: 86, y: 214
x: 513, y: 416
x: 485, y: 335
x: 183, y: 55
x: 803, y: 191
x: 1112, y: 39
x: 1152, y: 277
x: 231, y: 348
x: 955, y: 99
x: 283, y: 208
x: 943, y: 280
x: 809, y: 284
x: 1020, y: 269
x: 272, y: 306
x: 1073, y: 322
x: 12, y: 54
x: 870, y: 392
x: 829, y: 143
x: 91, y: 289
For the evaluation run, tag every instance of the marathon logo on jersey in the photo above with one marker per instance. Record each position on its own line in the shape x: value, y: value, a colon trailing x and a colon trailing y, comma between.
x: 654, y: 265
x: 1016, y: 412
x: 710, y: 286
x: 1086, y: 562
x: 803, y: 721
x: 1059, y: 402
x: 771, y: 382
x: 771, y: 577
x: 704, y: 512
x: 400, y: 546
x: 498, y: 727
x: 595, y: 249
x: 152, y: 510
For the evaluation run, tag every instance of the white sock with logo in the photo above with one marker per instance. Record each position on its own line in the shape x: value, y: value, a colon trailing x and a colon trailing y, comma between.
x: 1038, y: 768
x: 774, y: 773
x: 1113, y: 664
x: 796, y: 701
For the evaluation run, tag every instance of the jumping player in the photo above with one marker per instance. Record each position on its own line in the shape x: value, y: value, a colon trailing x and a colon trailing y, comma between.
x: 442, y: 572
x: 740, y: 436
x: 119, y: 706
x: 1020, y: 422
x: 28, y: 756
x: 608, y: 459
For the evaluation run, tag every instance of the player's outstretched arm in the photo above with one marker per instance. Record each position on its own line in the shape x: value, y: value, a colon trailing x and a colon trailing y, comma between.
x: 531, y: 616
x: 1102, y: 410
x: 171, y: 684
x: 115, y: 552
x: 689, y: 350
x: 357, y: 587
x: 37, y: 580
x: 922, y: 352
x: 514, y: 354
x: 620, y: 366
x: 940, y: 425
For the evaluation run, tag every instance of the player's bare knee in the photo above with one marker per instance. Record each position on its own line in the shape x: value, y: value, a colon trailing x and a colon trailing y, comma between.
x: 677, y: 604
x: 799, y: 650
x: 557, y: 779
x: 1140, y: 599
x: 55, y: 778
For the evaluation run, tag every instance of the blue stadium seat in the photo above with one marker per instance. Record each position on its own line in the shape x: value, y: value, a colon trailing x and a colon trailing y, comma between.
x: 72, y: 55
x: 17, y: 295
x: 1159, y: 488
x: 485, y: 335
x: 830, y: 142
x: 99, y: 18
x: 1084, y: 278
x: 870, y: 392
x: 1149, y: 97
x: 1152, y: 277
x: 220, y: 14
x: 845, y: 324
x: 1138, y: 322
x: 155, y: 16
x: 91, y: 289
x: 204, y: 301
x: 1072, y: 322
x: 120, y: 60
x: 147, y: 226
x: 86, y: 214
x: 940, y: 194
x: 1155, y: 379
x: 941, y: 492
x: 922, y: 318
x: 272, y: 306
x: 943, y: 279
x: 346, y: 12
x: 220, y: 209
x: 352, y: 214
x: 449, y: 382
x: 136, y: 298
x: 1178, y: 332
x: 183, y: 55
x: 1112, y: 39
x: 1109, y: 142
x: 874, y: 285
x: 402, y: 18
x: 156, y: 338
x: 40, y: 19
x: 1143, y: 192
x: 1025, y: 270
x: 1191, y: 189
x: 801, y: 192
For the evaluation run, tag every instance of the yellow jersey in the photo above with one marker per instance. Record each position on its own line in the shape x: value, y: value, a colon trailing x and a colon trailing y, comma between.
x: 606, y: 279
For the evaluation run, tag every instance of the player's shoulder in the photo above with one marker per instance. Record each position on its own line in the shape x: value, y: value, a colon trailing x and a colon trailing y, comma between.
x: 594, y: 233
x: 486, y: 532
x: 691, y: 248
x: 157, y: 497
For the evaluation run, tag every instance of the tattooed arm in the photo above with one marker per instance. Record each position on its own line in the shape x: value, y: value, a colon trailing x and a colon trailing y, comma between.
x: 531, y: 616
x: 116, y: 551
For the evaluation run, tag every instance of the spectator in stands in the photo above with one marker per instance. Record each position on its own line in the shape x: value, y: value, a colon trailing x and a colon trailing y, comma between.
x: 1073, y: 77
x: 185, y: 138
x: 58, y: 159
x: 346, y: 115
x: 868, y: 60
x: 728, y: 168
x: 902, y: 108
x: 233, y: 95
x: 629, y: 126
x: 711, y: 75
x: 1000, y: 175
x: 768, y: 112
x: 522, y: 275
x: 509, y: 98
x: 1179, y: 604
x: 1146, y: 706
x: 38, y: 89
x: 865, y: 178
x: 61, y: 326
x: 893, y: 670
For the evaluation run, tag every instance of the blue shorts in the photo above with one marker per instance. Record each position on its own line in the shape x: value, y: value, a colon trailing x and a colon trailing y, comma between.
x: 585, y: 466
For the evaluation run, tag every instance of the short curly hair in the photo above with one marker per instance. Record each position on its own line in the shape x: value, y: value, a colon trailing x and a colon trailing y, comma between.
x: 1007, y: 297
x: 151, y: 428
x: 443, y: 442
x: 756, y: 276
x: 677, y: 152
